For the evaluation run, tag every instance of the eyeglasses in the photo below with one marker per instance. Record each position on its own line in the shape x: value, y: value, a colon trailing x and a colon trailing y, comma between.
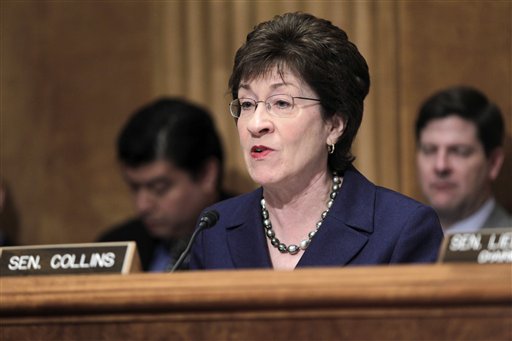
x: 276, y: 105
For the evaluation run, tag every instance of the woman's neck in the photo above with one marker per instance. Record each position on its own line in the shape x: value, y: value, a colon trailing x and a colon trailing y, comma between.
x: 299, y: 196
x: 294, y: 213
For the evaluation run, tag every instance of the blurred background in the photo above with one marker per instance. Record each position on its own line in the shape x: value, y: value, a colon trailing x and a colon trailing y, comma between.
x: 71, y: 73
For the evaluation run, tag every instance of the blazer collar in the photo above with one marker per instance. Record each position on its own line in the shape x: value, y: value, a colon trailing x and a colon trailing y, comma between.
x: 345, y: 229
x: 355, y: 203
x: 343, y: 233
x: 245, y: 235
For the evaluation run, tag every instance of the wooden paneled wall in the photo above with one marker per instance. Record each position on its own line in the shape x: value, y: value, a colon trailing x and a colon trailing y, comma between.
x: 73, y: 71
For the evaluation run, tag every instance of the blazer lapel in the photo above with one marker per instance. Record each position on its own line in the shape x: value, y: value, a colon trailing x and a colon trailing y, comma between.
x: 246, y: 239
x: 335, y: 244
x: 341, y: 237
x: 344, y: 231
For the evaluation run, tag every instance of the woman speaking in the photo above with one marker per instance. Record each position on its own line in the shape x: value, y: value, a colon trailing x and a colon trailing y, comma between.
x: 298, y: 87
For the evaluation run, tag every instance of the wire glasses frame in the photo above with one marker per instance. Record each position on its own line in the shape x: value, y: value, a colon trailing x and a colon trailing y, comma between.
x: 277, y: 105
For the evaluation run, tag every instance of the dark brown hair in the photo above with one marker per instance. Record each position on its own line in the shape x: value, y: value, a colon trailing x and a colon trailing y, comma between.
x: 470, y: 104
x: 321, y: 55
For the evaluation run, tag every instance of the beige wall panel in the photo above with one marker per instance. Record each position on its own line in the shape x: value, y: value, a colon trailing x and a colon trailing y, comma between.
x: 71, y: 73
x: 365, y: 147
x: 385, y: 87
x: 169, y: 46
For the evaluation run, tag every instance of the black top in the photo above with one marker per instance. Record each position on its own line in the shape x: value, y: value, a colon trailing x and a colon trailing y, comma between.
x: 134, y: 230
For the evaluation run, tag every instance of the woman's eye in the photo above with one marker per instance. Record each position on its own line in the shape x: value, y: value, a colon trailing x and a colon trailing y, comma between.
x: 246, y: 105
x: 280, y: 104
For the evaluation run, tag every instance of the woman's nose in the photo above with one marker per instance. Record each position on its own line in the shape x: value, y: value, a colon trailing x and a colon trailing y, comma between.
x: 260, y: 122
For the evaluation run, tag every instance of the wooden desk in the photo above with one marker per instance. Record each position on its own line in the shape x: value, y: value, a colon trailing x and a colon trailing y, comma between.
x: 428, y: 302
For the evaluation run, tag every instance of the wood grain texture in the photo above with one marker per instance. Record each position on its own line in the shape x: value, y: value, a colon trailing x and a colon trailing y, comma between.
x: 441, y: 302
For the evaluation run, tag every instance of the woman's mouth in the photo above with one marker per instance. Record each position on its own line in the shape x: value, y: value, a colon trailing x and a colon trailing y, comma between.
x: 259, y: 152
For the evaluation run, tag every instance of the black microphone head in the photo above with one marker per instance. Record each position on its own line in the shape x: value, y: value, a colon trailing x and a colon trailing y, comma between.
x: 209, y: 218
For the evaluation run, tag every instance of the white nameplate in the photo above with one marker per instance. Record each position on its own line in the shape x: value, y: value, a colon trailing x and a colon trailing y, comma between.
x: 487, y: 246
x: 61, y: 259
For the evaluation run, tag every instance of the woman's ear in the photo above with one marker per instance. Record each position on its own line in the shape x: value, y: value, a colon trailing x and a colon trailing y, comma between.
x: 337, y: 128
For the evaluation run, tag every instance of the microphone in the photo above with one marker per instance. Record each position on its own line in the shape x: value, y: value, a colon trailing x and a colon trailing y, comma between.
x: 207, y: 220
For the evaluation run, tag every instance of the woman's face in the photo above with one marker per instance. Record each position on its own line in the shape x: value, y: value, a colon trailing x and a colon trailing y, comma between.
x: 280, y: 150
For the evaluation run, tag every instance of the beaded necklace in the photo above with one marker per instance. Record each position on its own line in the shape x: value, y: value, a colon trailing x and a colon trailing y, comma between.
x: 293, y: 249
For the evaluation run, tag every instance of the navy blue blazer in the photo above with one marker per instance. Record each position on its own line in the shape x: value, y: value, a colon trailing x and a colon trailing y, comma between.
x: 366, y: 225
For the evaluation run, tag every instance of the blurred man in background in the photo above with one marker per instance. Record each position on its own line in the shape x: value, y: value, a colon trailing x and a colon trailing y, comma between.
x: 459, y: 136
x: 171, y: 158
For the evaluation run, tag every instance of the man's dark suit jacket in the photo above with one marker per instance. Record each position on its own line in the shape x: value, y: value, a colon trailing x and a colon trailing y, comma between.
x: 366, y: 225
x: 499, y: 217
x: 134, y: 230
